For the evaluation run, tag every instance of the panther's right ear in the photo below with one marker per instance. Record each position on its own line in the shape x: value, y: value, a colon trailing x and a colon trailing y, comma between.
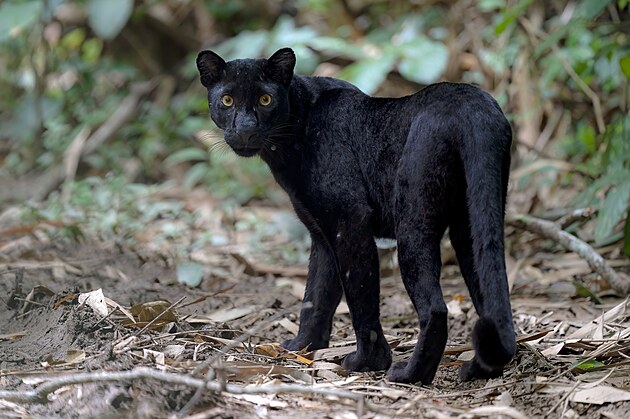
x: 210, y: 67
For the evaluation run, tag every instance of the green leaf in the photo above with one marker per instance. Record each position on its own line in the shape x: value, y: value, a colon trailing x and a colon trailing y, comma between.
x: 92, y: 49
x: 614, y: 207
x: 510, y: 16
x: 73, y: 231
x: 624, y: 63
x: 490, y: 5
x: 16, y: 18
x: 108, y: 18
x: 195, y: 174
x: 424, y: 61
x: 589, y: 9
x: 587, y: 364
x: 190, y: 274
x: 368, y: 74
x: 337, y: 47
x: 554, y: 37
x: 246, y: 44
x: 583, y: 291
x: 186, y: 154
x: 285, y: 33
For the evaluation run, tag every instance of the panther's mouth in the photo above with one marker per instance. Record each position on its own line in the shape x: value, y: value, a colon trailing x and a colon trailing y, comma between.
x: 246, y: 151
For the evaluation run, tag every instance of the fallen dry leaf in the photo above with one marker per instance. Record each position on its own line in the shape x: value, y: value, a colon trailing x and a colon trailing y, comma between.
x: 146, y: 312
x: 277, y: 351
x: 247, y: 371
x: 95, y: 300
x: 227, y: 314
x: 289, y: 325
x: 589, y: 329
x: 600, y: 395
x: 72, y: 357
x: 155, y: 356
x: 122, y: 309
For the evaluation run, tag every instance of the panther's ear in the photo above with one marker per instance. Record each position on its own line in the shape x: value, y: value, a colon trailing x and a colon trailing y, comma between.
x: 280, y: 66
x: 210, y: 67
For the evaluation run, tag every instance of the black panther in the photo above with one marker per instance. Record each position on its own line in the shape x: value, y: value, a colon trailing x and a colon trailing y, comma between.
x: 358, y: 167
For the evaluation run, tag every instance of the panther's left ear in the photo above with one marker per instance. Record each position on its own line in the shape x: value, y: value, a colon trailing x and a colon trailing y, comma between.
x: 280, y: 66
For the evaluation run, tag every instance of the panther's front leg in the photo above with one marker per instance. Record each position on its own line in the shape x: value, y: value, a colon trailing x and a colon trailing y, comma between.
x: 358, y: 260
x: 322, y: 296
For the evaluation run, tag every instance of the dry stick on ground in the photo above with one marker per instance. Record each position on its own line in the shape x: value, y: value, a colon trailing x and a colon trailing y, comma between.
x: 617, y: 281
x: 566, y: 396
x: 40, y: 395
x: 580, y: 214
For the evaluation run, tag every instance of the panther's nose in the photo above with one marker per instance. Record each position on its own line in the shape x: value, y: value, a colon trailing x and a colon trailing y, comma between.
x: 245, y: 125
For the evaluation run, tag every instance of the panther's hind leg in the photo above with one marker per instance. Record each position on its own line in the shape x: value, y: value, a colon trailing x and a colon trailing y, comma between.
x: 419, y: 258
x: 421, y: 222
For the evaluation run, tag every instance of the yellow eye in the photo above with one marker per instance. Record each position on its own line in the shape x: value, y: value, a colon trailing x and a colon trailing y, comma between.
x: 227, y: 100
x: 265, y: 100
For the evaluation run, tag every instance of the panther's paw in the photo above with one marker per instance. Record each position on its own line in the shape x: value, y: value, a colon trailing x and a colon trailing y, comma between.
x: 379, y: 359
x: 398, y: 373
x: 474, y: 371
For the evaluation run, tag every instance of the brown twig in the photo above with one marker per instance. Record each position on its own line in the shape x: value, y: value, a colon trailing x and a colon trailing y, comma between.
x: 619, y: 282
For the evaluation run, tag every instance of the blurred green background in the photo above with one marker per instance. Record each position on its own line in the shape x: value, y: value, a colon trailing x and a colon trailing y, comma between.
x: 101, y: 98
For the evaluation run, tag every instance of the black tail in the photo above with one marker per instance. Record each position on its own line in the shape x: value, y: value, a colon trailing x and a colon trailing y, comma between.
x: 486, y: 169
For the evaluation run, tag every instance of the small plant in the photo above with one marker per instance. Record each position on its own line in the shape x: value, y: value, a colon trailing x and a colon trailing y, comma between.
x: 105, y: 208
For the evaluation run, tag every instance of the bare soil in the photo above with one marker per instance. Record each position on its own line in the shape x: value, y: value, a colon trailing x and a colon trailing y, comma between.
x: 245, y: 304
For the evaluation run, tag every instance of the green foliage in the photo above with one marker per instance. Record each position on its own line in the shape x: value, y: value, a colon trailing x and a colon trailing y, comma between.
x: 607, y: 159
x: 107, y: 18
x: 106, y: 208
x: 585, y: 292
x: 510, y: 14
x: 18, y: 17
x: 401, y: 46
x: 263, y: 43
x: 228, y: 177
x: 61, y: 75
x: 598, y: 55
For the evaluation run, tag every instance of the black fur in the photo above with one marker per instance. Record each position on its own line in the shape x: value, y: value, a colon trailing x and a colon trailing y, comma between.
x: 358, y: 167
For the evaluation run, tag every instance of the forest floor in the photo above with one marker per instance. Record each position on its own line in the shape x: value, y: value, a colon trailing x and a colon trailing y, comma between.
x: 145, y: 343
